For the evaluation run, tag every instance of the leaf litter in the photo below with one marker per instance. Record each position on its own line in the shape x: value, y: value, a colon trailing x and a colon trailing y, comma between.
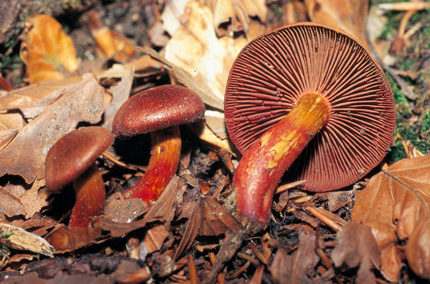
x: 177, y: 236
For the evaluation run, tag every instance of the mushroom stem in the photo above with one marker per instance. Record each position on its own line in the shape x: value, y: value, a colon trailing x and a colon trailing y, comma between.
x: 90, y: 197
x: 165, y: 153
x: 265, y: 162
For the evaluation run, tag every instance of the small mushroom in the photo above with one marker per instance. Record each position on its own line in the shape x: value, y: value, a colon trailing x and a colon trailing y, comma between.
x: 159, y: 111
x: 309, y: 99
x: 71, y: 159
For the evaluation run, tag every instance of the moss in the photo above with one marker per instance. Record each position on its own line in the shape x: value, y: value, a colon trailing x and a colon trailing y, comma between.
x: 426, y: 122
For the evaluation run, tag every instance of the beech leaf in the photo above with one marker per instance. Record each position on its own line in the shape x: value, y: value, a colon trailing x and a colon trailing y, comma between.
x: 397, y: 203
x: 357, y: 248
x: 47, y: 50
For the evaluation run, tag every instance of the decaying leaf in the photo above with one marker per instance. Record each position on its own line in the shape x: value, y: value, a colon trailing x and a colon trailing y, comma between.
x: 209, y: 218
x: 33, y: 99
x: 154, y: 238
x: 17, y: 238
x: 66, y: 239
x: 397, y: 203
x: 25, y: 154
x: 162, y: 210
x: 348, y: 15
x: 112, y: 44
x: 295, y: 268
x: 233, y: 15
x: 195, y: 48
x: 357, y: 248
x: 47, y: 51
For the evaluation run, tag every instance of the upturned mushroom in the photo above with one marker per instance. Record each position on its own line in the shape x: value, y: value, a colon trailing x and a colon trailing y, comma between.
x: 72, y: 159
x: 310, y: 102
x: 158, y: 111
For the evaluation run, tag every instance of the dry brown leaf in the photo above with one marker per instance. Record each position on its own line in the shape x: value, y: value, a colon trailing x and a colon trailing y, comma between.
x: 295, y: 268
x: 33, y: 99
x: 195, y: 48
x: 25, y: 154
x: 162, y: 210
x: 11, y: 205
x: 208, y: 218
x: 35, y: 199
x: 397, y: 202
x: 357, y: 248
x: 66, y: 239
x: 348, y: 15
x: 47, y: 51
x: 154, y: 238
x: 112, y: 44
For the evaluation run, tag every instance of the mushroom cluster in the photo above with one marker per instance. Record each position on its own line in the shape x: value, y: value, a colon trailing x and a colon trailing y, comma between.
x: 310, y: 102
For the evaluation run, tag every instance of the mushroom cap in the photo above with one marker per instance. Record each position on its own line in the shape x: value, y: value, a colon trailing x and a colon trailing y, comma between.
x: 74, y: 153
x: 275, y: 69
x: 157, y: 108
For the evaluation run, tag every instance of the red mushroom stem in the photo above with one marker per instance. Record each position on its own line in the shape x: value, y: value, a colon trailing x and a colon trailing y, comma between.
x: 165, y: 153
x: 265, y: 162
x: 90, y: 197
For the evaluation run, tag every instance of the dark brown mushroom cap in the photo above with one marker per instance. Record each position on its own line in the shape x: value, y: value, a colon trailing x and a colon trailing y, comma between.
x: 275, y: 69
x: 157, y: 108
x: 72, y: 154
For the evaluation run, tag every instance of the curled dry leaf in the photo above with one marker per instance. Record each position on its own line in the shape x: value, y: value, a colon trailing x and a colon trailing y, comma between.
x: 349, y: 15
x: 17, y: 238
x: 233, y: 16
x: 47, y: 51
x: 397, y: 202
x: 357, y: 248
x: 25, y: 154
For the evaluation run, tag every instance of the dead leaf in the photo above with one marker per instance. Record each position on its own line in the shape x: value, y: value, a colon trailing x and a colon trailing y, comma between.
x: 66, y: 239
x: 162, y: 210
x: 233, y: 15
x: 11, y: 205
x: 25, y: 154
x: 120, y: 93
x: 35, y: 199
x: 33, y: 99
x: 47, y: 51
x: 296, y: 268
x: 112, y: 44
x: 17, y: 238
x: 348, y: 15
x: 208, y: 218
x: 357, y: 248
x: 154, y: 238
x: 397, y: 202
x: 195, y: 48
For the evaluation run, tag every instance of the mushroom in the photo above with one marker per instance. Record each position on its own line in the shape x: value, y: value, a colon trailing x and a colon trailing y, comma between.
x: 309, y: 99
x: 71, y: 159
x: 158, y: 110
